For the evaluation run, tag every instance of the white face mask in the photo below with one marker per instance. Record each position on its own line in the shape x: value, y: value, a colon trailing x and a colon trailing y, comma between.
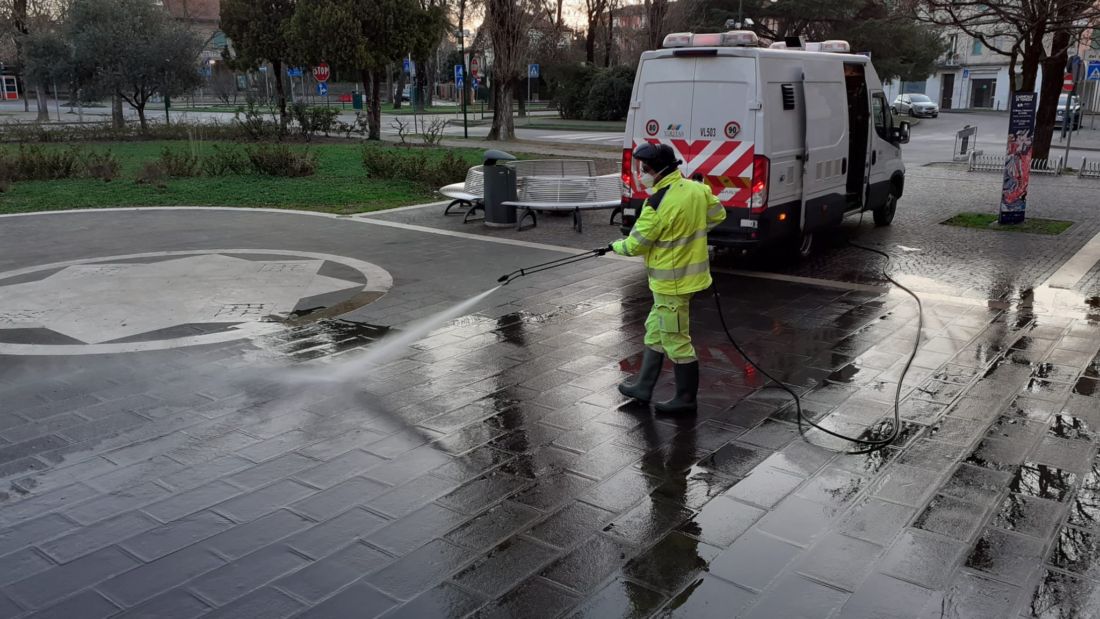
x: 647, y: 180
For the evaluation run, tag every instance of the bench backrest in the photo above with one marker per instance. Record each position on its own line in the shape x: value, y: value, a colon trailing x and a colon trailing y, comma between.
x: 475, y: 181
x: 571, y: 189
x: 554, y: 167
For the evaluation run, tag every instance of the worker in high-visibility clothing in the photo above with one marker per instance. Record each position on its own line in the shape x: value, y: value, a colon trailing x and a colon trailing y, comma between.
x: 671, y: 232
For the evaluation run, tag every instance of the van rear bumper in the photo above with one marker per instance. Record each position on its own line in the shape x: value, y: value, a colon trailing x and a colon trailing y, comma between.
x: 743, y: 229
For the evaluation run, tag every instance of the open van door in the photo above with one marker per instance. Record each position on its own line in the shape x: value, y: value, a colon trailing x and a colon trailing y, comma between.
x: 825, y: 159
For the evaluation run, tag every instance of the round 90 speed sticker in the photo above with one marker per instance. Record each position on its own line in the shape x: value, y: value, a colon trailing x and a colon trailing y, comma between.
x: 732, y: 130
x: 652, y: 127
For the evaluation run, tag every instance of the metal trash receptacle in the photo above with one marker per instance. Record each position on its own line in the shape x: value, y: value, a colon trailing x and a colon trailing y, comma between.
x: 356, y: 100
x: 500, y: 186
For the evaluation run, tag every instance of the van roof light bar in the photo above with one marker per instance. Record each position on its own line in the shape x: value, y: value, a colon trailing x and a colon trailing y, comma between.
x: 733, y: 38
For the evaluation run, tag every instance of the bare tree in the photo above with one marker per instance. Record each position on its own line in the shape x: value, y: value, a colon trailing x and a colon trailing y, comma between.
x: 1036, y: 33
x: 594, y: 11
x: 509, y: 24
x: 656, y: 12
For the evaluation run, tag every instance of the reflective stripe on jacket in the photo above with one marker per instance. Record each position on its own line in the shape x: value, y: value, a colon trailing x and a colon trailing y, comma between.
x: 673, y: 237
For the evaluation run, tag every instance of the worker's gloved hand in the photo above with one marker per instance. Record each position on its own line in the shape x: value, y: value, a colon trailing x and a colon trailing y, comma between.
x: 600, y: 251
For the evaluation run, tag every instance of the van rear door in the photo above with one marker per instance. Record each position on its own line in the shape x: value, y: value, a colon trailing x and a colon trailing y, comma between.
x: 825, y: 165
x: 698, y: 102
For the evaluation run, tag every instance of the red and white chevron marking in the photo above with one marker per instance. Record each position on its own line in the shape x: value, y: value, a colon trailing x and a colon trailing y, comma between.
x: 725, y: 165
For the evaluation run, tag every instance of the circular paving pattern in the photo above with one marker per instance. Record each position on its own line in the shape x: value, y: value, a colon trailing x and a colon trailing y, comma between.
x: 160, y: 300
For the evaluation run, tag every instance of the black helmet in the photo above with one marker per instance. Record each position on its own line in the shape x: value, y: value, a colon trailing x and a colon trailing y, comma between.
x: 660, y: 157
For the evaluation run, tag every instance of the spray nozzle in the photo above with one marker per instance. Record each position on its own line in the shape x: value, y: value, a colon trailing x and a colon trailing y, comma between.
x: 502, y: 279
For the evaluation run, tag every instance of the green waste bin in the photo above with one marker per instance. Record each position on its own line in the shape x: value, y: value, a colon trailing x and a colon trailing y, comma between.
x: 357, y: 100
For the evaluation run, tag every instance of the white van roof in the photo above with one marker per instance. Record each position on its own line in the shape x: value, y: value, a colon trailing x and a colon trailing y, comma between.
x: 752, y: 52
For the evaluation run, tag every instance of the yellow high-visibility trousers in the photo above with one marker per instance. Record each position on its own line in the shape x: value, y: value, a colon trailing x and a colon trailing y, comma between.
x: 668, y: 327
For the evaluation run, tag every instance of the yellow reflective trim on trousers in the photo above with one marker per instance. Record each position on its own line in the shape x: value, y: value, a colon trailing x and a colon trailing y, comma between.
x: 680, y: 273
x: 638, y: 236
x: 700, y: 234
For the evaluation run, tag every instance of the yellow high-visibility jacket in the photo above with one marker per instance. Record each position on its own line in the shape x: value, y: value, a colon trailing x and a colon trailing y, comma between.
x: 673, y: 237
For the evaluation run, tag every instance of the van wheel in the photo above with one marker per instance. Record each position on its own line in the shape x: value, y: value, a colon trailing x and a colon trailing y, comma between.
x: 804, y: 247
x: 885, y: 213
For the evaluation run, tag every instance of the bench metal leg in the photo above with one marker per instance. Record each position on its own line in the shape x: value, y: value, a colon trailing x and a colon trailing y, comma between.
x: 618, y: 211
x: 475, y: 207
x: 577, y: 220
x: 454, y: 203
x: 523, y: 215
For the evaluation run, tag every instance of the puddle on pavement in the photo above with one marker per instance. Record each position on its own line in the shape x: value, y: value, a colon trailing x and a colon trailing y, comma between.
x: 1078, y: 551
x: 1068, y: 426
x: 1084, y: 509
x: 322, y: 338
x: 1063, y: 596
x: 1028, y: 515
x: 1088, y: 387
x: 1043, y: 481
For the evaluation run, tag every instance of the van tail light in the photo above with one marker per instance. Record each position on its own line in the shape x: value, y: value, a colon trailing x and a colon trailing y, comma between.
x: 758, y: 200
x: 627, y: 174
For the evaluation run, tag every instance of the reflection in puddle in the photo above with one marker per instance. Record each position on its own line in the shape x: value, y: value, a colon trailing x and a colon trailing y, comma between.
x: 1068, y: 426
x: 1045, y: 482
x: 1061, y: 596
x: 1077, y: 551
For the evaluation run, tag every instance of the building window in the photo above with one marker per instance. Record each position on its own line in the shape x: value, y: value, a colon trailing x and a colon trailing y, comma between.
x: 976, y: 50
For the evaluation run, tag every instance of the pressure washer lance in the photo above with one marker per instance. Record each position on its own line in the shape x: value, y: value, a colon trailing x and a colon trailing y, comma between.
x: 873, y: 438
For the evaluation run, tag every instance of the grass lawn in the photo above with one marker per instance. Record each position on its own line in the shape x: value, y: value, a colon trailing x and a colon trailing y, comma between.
x: 1032, y: 225
x: 339, y: 186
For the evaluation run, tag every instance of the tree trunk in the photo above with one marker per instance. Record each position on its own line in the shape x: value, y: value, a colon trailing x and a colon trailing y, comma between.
x: 1029, y: 67
x: 372, y: 83
x: 43, y: 104
x: 1013, y: 59
x: 1053, y: 70
x: 280, y: 94
x: 609, y: 44
x: 590, y: 41
x: 141, y: 117
x: 503, y: 125
x: 118, y: 120
x: 521, y: 88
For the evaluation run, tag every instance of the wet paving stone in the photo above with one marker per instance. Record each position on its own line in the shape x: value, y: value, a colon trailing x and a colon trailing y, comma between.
x: 840, y: 561
x: 1071, y: 428
x: 649, y: 520
x: 493, y: 526
x: 923, y: 559
x: 832, y: 486
x: 904, y: 484
x: 590, y: 563
x: 884, y: 597
x: 996, y: 454
x: 764, y: 487
x: 1028, y: 515
x: 1042, y: 481
x: 535, y: 597
x: 1084, y: 509
x: 976, y: 483
x: 798, y: 520
x: 1078, y: 551
x: 571, y: 525
x: 795, y: 596
x: 771, y: 434
x: 1067, y: 454
x: 722, y: 521
x: 974, y: 596
x: 875, y: 521
x: 1087, y: 387
x: 620, y: 599
x: 1005, y: 556
x: 735, y: 460
x: 1063, y: 595
x: 504, y: 566
x: 930, y: 455
x: 482, y: 492
x: 1017, y: 429
x: 951, y: 517
x: 672, y: 563
x: 708, y: 598
x: 800, y: 458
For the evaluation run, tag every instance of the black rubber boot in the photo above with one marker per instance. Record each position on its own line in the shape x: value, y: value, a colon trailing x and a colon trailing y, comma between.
x: 641, y: 388
x: 687, y: 387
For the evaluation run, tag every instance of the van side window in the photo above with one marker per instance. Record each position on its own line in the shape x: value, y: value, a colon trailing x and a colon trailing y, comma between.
x: 880, y: 112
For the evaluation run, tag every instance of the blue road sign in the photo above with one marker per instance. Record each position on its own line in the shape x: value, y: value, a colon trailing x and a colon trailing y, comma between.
x: 966, y: 73
x: 1093, y: 74
x: 294, y: 72
x: 533, y: 71
x: 263, y: 69
x: 322, y: 89
x: 458, y: 73
x: 406, y: 66
x: 474, y: 83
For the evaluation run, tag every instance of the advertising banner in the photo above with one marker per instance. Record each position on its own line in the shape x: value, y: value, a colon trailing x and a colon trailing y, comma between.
x: 1021, y: 130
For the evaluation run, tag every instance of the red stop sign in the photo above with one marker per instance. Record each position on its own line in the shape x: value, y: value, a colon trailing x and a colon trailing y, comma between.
x: 1067, y: 82
x: 321, y: 72
x: 475, y: 67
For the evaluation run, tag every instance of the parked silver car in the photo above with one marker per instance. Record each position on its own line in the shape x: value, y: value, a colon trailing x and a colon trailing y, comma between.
x: 1074, y: 111
x: 916, y: 105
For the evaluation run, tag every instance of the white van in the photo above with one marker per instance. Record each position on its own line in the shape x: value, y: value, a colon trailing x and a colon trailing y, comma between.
x: 791, y: 139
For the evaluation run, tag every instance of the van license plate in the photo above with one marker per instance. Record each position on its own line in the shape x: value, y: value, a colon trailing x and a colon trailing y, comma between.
x: 748, y: 223
x: 629, y: 212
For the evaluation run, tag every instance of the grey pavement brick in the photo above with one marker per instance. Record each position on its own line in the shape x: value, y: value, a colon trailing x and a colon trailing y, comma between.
x: 206, y: 472
x: 115, y: 503
x: 191, y: 501
x: 326, y: 449
x: 265, y: 473
x: 263, y: 501
x: 165, y: 539
x: 882, y: 596
x: 9, y: 608
x: 278, y: 445
x: 358, y: 600
x: 327, y: 503
x: 49, y: 409
x: 904, y: 484
x: 159, y: 576
x: 504, y: 566
x: 26, y: 431
x: 34, y: 531
x: 794, y: 596
x: 250, y: 572
x: 408, y: 498
x: 1008, y: 557
x: 721, y: 521
x: 324, y: 538
x: 493, y: 526
x: 839, y: 560
x: 21, y: 564
x: 923, y: 559
x: 619, y: 597
x: 59, y: 582
x: 419, y: 527
x: 245, y: 538
x: 201, y: 449
x: 130, y: 474
x: 974, y: 596
x: 711, y: 598
x: 482, y: 492
x: 571, y: 524
x: 267, y: 603
x: 797, y: 520
x: 94, y: 537
x: 446, y: 600
x: 754, y: 560
x: 21, y: 466
x: 408, y: 465
x: 87, y: 605
x: 338, y: 469
x: 176, y: 604
x: 674, y: 562
x: 335, y: 571
x: 30, y: 447
x: 764, y: 487
x: 420, y: 570
x: 107, y: 426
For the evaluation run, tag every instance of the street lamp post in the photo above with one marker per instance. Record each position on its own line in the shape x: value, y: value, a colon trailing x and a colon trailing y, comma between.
x: 462, y: 56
